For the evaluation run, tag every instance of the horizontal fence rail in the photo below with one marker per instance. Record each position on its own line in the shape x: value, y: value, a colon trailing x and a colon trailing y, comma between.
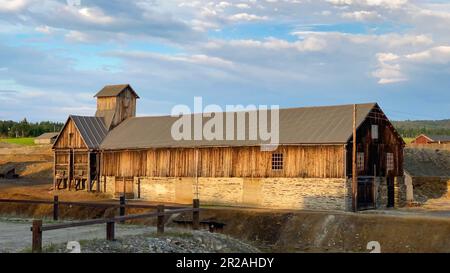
x: 161, y: 212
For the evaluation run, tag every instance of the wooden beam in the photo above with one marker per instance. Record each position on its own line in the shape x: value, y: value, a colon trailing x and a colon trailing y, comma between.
x: 99, y: 170
x: 89, y: 178
x: 354, y: 166
x: 54, y: 172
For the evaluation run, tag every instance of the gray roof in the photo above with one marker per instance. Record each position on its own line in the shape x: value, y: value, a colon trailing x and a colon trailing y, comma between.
x: 114, y: 90
x: 48, y: 135
x: 439, y: 138
x: 310, y: 125
x: 427, y: 162
x: 92, y: 130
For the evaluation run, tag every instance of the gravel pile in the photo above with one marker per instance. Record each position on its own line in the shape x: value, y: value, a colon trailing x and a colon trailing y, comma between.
x: 173, y: 241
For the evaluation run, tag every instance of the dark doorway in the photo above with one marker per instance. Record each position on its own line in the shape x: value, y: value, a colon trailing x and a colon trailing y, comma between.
x: 390, y: 191
x: 365, y: 193
x: 93, y: 170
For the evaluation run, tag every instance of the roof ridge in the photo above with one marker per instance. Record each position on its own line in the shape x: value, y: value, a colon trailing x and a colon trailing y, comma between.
x: 281, y: 109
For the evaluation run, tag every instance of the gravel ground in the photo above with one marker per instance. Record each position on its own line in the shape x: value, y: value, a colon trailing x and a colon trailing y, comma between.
x: 173, y: 241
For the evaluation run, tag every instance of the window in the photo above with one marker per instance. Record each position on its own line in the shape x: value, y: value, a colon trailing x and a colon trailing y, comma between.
x: 277, y: 161
x: 71, y: 139
x: 374, y: 131
x: 360, y: 161
x: 389, y: 162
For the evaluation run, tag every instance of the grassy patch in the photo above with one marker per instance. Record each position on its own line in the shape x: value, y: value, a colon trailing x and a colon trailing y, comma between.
x: 408, y: 140
x: 27, y: 141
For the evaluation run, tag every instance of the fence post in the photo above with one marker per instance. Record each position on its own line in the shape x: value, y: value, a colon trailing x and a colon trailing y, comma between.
x: 110, y: 231
x: 36, y: 245
x: 160, y: 224
x: 55, y: 208
x: 196, y: 214
x: 122, y: 207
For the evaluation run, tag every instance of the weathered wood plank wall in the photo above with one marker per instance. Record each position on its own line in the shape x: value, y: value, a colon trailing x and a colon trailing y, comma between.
x: 70, y: 138
x: 325, y: 161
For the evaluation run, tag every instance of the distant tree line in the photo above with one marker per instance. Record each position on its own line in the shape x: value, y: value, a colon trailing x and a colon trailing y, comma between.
x: 9, y: 128
x: 408, y: 132
x: 409, y: 128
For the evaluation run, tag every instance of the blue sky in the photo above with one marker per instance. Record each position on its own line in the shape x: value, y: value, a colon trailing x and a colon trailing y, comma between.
x: 56, y: 54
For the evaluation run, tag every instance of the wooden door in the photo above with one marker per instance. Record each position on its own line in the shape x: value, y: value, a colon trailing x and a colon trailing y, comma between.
x: 124, y: 185
x: 365, y: 193
x: 390, y: 191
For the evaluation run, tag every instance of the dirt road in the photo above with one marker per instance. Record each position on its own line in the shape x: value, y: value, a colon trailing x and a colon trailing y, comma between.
x: 15, y: 234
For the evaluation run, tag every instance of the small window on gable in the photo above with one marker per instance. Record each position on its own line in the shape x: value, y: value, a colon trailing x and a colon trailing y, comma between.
x: 374, y: 131
x: 277, y: 161
x: 389, y: 162
x: 71, y: 139
x: 360, y: 161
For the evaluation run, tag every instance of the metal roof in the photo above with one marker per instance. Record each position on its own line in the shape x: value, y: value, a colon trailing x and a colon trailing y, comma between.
x: 92, y: 130
x: 48, y: 135
x: 437, y: 138
x: 310, y: 125
x: 114, y: 90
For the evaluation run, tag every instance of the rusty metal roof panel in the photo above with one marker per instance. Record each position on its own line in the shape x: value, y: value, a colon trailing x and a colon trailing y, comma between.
x: 92, y: 130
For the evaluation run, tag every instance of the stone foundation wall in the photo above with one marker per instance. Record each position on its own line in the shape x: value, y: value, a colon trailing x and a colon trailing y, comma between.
x: 400, y: 191
x: 381, y: 192
x: 279, y: 193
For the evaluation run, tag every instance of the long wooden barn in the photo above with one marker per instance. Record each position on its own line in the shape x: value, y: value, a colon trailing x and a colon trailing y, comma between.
x: 118, y: 153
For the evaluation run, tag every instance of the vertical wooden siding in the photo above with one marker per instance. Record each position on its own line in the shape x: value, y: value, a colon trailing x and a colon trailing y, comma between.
x: 64, y: 142
x: 299, y: 161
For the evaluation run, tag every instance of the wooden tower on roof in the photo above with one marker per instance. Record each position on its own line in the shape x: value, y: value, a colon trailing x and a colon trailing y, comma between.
x: 116, y: 103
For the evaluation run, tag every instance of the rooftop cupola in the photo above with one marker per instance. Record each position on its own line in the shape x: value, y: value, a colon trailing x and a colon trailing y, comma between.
x: 116, y: 103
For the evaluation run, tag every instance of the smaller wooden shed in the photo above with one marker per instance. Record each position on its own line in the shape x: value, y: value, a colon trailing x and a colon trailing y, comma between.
x: 46, y: 138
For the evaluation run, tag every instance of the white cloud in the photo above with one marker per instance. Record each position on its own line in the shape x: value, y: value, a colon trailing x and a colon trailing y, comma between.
x: 308, y: 44
x: 95, y: 15
x: 12, y: 5
x: 246, y: 17
x: 242, y: 6
x: 374, y: 3
x: 440, y: 55
x: 362, y: 15
x: 44, y: 29
x: 388, y: 71
x: 79, y: 37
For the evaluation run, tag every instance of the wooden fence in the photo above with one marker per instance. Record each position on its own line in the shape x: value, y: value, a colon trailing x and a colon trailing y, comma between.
x: 38, y: 227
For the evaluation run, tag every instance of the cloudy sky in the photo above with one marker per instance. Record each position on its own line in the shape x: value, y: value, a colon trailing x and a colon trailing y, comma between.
x: 55, y: 55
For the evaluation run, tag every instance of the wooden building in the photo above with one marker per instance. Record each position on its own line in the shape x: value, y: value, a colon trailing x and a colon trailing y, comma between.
x: 46, y: 138
x: 311, y: 168
x: 431, y: 139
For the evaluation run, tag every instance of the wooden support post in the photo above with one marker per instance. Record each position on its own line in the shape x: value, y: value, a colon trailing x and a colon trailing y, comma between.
x: 99, y: 171
x: 104, y: 184
x: 122, y: 206
x: 69, y: 170
x: 55, y: 186
x: 36, y: 246
x: 55, y: 208
x: 196, y: 214
x: 354, y: 166
x: 160, y: 224
x: 110, y: 230
x: 89, y: 178
x: 139, y: 188
x: 124, y: 186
